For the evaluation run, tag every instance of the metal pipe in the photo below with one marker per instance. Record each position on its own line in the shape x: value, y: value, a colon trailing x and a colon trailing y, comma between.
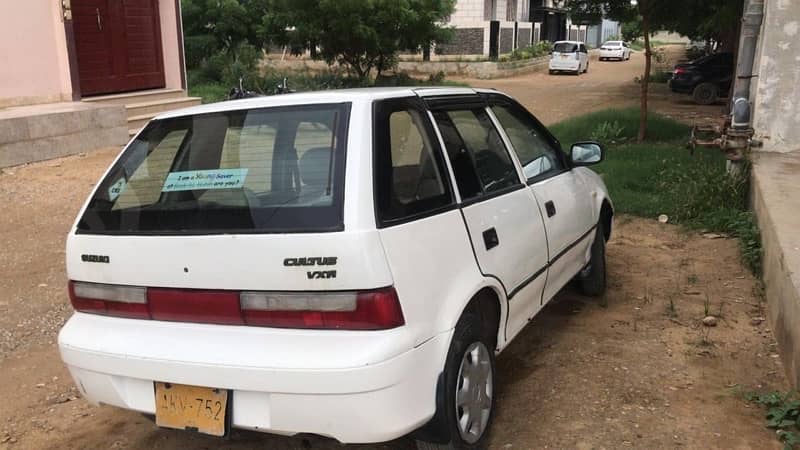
x: 748, y: 42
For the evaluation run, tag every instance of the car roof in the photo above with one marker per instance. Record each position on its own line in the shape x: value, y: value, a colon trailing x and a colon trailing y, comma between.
x: 567, y: 42
x: 327, y: 96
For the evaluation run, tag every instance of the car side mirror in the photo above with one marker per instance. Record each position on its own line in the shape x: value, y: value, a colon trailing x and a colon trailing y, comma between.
x: 586, y: 153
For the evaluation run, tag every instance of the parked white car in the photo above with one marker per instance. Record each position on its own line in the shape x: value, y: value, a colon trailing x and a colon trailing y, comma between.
x: 615, y: 50
x: 342, y: 263
x: 569, y: 56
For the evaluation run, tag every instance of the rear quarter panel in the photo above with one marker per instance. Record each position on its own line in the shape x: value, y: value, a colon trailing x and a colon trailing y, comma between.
x: 435, y: 272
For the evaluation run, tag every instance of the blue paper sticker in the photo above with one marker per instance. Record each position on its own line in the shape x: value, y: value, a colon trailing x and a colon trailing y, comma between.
x: 115, y: 189
x: 205, y: 179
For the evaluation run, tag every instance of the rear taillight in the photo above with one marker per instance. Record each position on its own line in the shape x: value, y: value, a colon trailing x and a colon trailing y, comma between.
x: 377, y: 309
x: 370, y: 310
x: 679, y: 71
x: 111, y: 300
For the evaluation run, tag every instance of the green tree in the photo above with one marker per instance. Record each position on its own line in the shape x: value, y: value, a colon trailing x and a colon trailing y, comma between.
x: 214, y: 26
x: 361, y: 34
x: 709, y: 19
x: 647, y: 12
x: 632, y: 30
x: 698, y: 19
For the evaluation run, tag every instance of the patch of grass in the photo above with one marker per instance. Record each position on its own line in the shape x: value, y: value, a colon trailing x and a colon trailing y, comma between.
x: 661, y: 177
x: 209, y: 92
x: 659, y: 128
x: 783, y: 415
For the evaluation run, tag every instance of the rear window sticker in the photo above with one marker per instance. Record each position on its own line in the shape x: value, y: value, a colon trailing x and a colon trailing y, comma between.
x: 205, y: 179
x: 115, y: 189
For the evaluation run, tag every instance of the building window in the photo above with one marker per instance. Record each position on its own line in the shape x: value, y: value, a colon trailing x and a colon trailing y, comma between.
x: 511, y: 10
x: 489, y: 9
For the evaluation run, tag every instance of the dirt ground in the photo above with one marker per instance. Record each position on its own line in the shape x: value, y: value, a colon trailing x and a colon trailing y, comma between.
x: 640, y: 372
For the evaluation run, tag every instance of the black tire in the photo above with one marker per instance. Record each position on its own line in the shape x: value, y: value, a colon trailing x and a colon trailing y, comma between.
x: 552, y: 72
x: 601, y: 59
x: 705, y: 93
x: 592, y: 280
x: 587, y: 68
x: 443, y: 430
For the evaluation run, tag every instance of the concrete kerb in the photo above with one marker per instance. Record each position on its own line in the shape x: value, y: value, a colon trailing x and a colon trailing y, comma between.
x: 775, y: 197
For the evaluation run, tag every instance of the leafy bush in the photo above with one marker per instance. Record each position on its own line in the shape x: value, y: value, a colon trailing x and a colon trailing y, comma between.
x: 533, y: 51
x: 660, y: 76
x: 266, y: 83
x: 783, y: 415
x: 608, y: 131
x: 659, y: 128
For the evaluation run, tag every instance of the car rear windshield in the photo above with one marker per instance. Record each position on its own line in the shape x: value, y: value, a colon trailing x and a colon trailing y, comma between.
x: 277, y: 169
x: 613, y: 44
x: 565, y: 47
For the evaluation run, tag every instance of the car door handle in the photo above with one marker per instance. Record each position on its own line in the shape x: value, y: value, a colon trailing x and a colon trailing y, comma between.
x: 490, y: 238
x: 550, y: 207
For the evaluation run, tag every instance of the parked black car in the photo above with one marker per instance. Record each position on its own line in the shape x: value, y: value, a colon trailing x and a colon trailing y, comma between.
x: 705, y: 79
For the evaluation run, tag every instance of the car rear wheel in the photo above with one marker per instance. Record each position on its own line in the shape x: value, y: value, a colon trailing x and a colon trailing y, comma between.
x: 592, y: 279
x: 465, y: 400
x: 705, y: 93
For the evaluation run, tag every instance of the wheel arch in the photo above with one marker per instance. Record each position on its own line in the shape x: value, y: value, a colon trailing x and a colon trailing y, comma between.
x: 488, y: 300
x: 606, y: 217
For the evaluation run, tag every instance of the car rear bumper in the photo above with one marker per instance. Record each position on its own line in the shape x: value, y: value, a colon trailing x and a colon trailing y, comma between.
x: 612, y: 54
x: 116, y: 361
x: 568, y: 64
x: 680, y: 86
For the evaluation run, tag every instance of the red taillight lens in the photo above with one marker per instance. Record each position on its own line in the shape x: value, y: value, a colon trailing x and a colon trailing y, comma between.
x: 679, y: 71
x: 369, y: 310
x: 366, y: 310
x: 189, y: 305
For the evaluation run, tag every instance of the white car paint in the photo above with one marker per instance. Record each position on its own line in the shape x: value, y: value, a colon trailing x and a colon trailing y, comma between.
x: 615, y: 50
x: 354, y: 386
x: 576, y: 61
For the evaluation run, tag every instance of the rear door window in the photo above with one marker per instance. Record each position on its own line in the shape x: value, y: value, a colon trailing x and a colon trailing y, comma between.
x: 480, y: 161
x: 410, y: 176
x: 258, y: 170
x: 537, y: 153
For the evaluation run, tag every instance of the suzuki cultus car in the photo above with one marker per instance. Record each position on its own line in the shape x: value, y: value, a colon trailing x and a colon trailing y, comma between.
x: 342, y: 263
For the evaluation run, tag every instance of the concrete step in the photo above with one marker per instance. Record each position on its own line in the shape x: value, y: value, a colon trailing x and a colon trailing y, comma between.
x: 160, y: 105
x: 135, y: 123
x: 136, y: 97
x: 141, y: 113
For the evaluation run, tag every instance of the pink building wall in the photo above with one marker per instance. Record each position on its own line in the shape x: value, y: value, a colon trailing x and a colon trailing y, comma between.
x: 34, y: 66
x: 169, y: 44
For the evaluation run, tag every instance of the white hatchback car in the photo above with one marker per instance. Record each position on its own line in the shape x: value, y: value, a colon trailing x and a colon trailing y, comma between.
x: 615, y: 50
x: 342, y: 263
x: 569, y: 56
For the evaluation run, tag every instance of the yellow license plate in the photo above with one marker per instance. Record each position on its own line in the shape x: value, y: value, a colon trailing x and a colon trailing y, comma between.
x: 191, y: 408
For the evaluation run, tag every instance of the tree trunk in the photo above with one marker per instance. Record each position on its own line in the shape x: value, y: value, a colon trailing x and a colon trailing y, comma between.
x: 426, y: 52
x: 648, y: 54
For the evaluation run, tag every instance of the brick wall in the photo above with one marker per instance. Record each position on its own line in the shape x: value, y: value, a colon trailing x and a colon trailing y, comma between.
x: 466, y: 41
x: 506, y: 40
x: 524, y: 37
